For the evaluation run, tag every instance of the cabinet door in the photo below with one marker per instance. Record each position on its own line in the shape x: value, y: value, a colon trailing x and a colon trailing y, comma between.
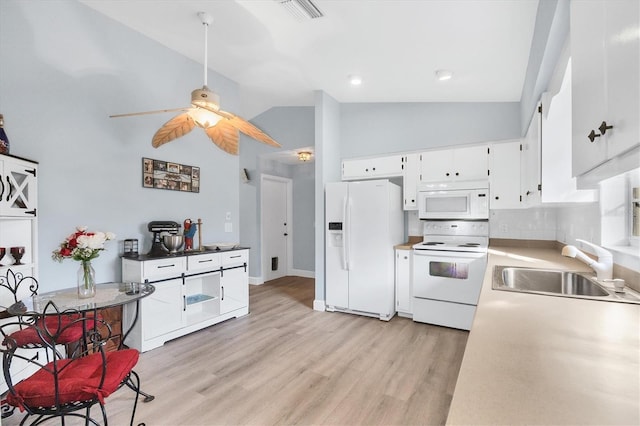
x: 622, y: 75
x: 410, y: 181
x: 163, y: 311
x: 435, y: 166
x: 530, y: 163
x: 234, y: 289
x: 403, y: 281
x: 18, y: 188
x: 504, y: 176
x: 470, y: 163
x: 369, y: 168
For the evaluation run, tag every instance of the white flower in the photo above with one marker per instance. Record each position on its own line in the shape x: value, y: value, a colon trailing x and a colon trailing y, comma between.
x: 95, y: 241
x: 110, y: 235
x: 81, y: 228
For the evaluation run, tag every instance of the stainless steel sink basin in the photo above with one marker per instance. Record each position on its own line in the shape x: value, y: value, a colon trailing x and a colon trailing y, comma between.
x: 554, y: 283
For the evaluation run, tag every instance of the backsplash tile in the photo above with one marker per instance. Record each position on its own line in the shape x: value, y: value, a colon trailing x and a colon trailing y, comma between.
x: 523, y: 224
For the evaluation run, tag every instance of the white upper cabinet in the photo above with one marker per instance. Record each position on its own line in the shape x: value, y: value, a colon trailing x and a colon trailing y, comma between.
x: 454, y: 164
x: 504, y: 176
x: 372, y: 168
x: 530, y: 167
x: 605, y: 51
x: 410, y: 177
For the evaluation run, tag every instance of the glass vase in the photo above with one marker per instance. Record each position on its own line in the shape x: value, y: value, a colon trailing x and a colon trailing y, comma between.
x: 86, y: 280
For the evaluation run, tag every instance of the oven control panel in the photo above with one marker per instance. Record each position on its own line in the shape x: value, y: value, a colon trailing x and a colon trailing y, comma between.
x: 456, y: 227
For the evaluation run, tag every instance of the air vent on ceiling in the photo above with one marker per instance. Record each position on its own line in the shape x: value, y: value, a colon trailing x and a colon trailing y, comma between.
x: 301, y: 9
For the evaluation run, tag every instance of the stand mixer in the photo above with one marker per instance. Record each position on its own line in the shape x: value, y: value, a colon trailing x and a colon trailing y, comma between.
x: 158, y: 227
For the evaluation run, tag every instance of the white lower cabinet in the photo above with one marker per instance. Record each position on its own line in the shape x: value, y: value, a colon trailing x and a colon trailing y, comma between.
x: 191, y: 292
x: 403, y: 282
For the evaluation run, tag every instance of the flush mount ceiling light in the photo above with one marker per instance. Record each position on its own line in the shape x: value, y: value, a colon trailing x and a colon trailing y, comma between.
x: 444, y: 75
x: 304, y: 156
x: 355, y: 80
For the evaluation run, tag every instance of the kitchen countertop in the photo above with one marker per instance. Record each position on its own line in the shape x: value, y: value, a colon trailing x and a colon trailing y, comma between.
x: 535, y: 359
x: 143, y: 257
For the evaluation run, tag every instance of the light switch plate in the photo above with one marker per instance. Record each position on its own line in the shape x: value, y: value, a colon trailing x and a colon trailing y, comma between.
x: 228, y: 227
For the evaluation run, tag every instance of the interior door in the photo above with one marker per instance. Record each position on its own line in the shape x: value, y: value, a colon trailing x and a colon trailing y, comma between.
x: 275, y: 227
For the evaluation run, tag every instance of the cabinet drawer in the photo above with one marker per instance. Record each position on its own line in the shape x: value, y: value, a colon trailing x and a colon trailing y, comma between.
x: 203, y: 262
x: 237, y: 257
x: 164, y: 268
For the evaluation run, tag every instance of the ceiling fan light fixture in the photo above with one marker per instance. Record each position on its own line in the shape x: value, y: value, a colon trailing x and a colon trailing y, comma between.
x: 304, y: 156
x: 204, y: 118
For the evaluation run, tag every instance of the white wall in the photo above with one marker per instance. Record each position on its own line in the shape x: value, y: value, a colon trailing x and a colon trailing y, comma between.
x: 63, y: 69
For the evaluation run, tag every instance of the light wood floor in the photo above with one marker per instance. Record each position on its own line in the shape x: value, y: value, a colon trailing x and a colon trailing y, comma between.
x: 285, y: 363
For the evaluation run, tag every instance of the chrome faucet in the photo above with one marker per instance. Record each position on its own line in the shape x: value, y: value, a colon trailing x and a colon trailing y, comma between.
x: 603, y: 266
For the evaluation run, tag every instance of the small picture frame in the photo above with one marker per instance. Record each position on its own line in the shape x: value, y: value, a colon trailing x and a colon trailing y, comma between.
x: 159, y: 174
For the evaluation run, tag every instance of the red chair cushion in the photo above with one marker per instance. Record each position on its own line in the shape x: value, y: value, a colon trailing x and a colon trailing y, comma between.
x: 80, y: 381
x: 52, y: 324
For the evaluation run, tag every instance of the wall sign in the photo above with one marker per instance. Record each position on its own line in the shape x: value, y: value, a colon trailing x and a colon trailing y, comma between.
x: 167, y: 175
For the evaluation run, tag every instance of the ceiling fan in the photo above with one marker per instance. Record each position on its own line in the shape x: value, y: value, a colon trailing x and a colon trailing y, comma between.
x: 222, y: 127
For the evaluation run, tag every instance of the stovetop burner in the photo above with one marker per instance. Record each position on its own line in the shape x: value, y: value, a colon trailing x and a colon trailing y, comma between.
x: 455, y: 236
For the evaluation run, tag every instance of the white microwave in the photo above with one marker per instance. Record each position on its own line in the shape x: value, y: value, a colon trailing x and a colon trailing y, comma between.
x: 464, y: 200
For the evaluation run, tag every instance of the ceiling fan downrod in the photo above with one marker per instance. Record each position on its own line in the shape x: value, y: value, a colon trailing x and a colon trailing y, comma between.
x: 206, y: 21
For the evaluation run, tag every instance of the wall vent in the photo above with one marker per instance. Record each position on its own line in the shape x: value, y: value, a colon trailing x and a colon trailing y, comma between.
x: 301, y: 9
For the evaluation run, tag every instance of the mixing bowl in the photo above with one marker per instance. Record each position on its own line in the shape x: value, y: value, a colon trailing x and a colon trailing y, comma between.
x: 173, y: 242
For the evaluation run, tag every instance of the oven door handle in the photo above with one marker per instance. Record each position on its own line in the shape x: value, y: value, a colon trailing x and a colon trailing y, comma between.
x: 345, y: 233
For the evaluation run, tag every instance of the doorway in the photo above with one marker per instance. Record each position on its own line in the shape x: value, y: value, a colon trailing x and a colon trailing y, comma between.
x: 276, y: 208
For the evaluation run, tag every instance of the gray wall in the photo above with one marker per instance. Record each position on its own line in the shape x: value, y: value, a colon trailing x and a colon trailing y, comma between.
x: 327, y: 136
x: 380, y: 128
x: 304, y: 216
x: 292, y: 127
x: 64, y: 68
x: 550, y: 32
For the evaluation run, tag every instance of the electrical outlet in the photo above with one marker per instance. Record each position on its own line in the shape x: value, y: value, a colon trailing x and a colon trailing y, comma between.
x: 504, y: 228
x: 228, y: 227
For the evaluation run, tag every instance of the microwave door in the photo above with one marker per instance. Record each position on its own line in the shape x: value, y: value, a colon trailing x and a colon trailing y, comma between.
x: 444, y: 206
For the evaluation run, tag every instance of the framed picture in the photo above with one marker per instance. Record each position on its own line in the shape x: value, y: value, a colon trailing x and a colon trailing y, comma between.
x: 160, y: 174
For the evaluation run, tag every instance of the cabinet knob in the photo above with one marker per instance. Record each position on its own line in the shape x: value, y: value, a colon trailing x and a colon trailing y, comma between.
x: 447, y: 174
x: 497, y: 198
x: 603, y: 128
x: 457, y: 174
x: 528, y: 192
x: 593, y: 135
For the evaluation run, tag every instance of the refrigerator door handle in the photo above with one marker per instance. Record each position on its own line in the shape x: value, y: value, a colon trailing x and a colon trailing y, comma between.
x: 345, y: 233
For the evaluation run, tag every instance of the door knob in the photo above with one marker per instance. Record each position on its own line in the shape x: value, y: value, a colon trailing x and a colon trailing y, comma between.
x: 593, y: 135
x: 285, y: 234
x: 603, y: 127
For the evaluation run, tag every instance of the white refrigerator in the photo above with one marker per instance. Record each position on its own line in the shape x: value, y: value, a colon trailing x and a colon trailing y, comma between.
x: 363, y: 222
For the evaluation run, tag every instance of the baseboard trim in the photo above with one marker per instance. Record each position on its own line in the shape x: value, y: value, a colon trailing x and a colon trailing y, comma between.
x: 302, y: 273
x: 256, y: 280
x: 319, y: 305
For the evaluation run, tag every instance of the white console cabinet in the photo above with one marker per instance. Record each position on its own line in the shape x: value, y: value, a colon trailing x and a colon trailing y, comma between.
x: 193, y: 291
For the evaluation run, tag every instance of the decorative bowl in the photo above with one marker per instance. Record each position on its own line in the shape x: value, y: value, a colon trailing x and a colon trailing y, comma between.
x: 173, y: 242
x: 220, y: 246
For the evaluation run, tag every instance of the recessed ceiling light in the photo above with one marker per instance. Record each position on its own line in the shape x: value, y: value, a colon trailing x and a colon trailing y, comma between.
x: 443, y: 75
x: 355, y: 80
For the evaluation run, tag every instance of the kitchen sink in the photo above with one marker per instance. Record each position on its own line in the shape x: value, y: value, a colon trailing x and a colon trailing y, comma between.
x: 555, y: 283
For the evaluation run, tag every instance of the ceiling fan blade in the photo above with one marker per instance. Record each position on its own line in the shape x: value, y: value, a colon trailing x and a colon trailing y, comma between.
x: 131, y: 114
x: 225, y: 136
x: 178, y: 126
x: 244, y: 126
